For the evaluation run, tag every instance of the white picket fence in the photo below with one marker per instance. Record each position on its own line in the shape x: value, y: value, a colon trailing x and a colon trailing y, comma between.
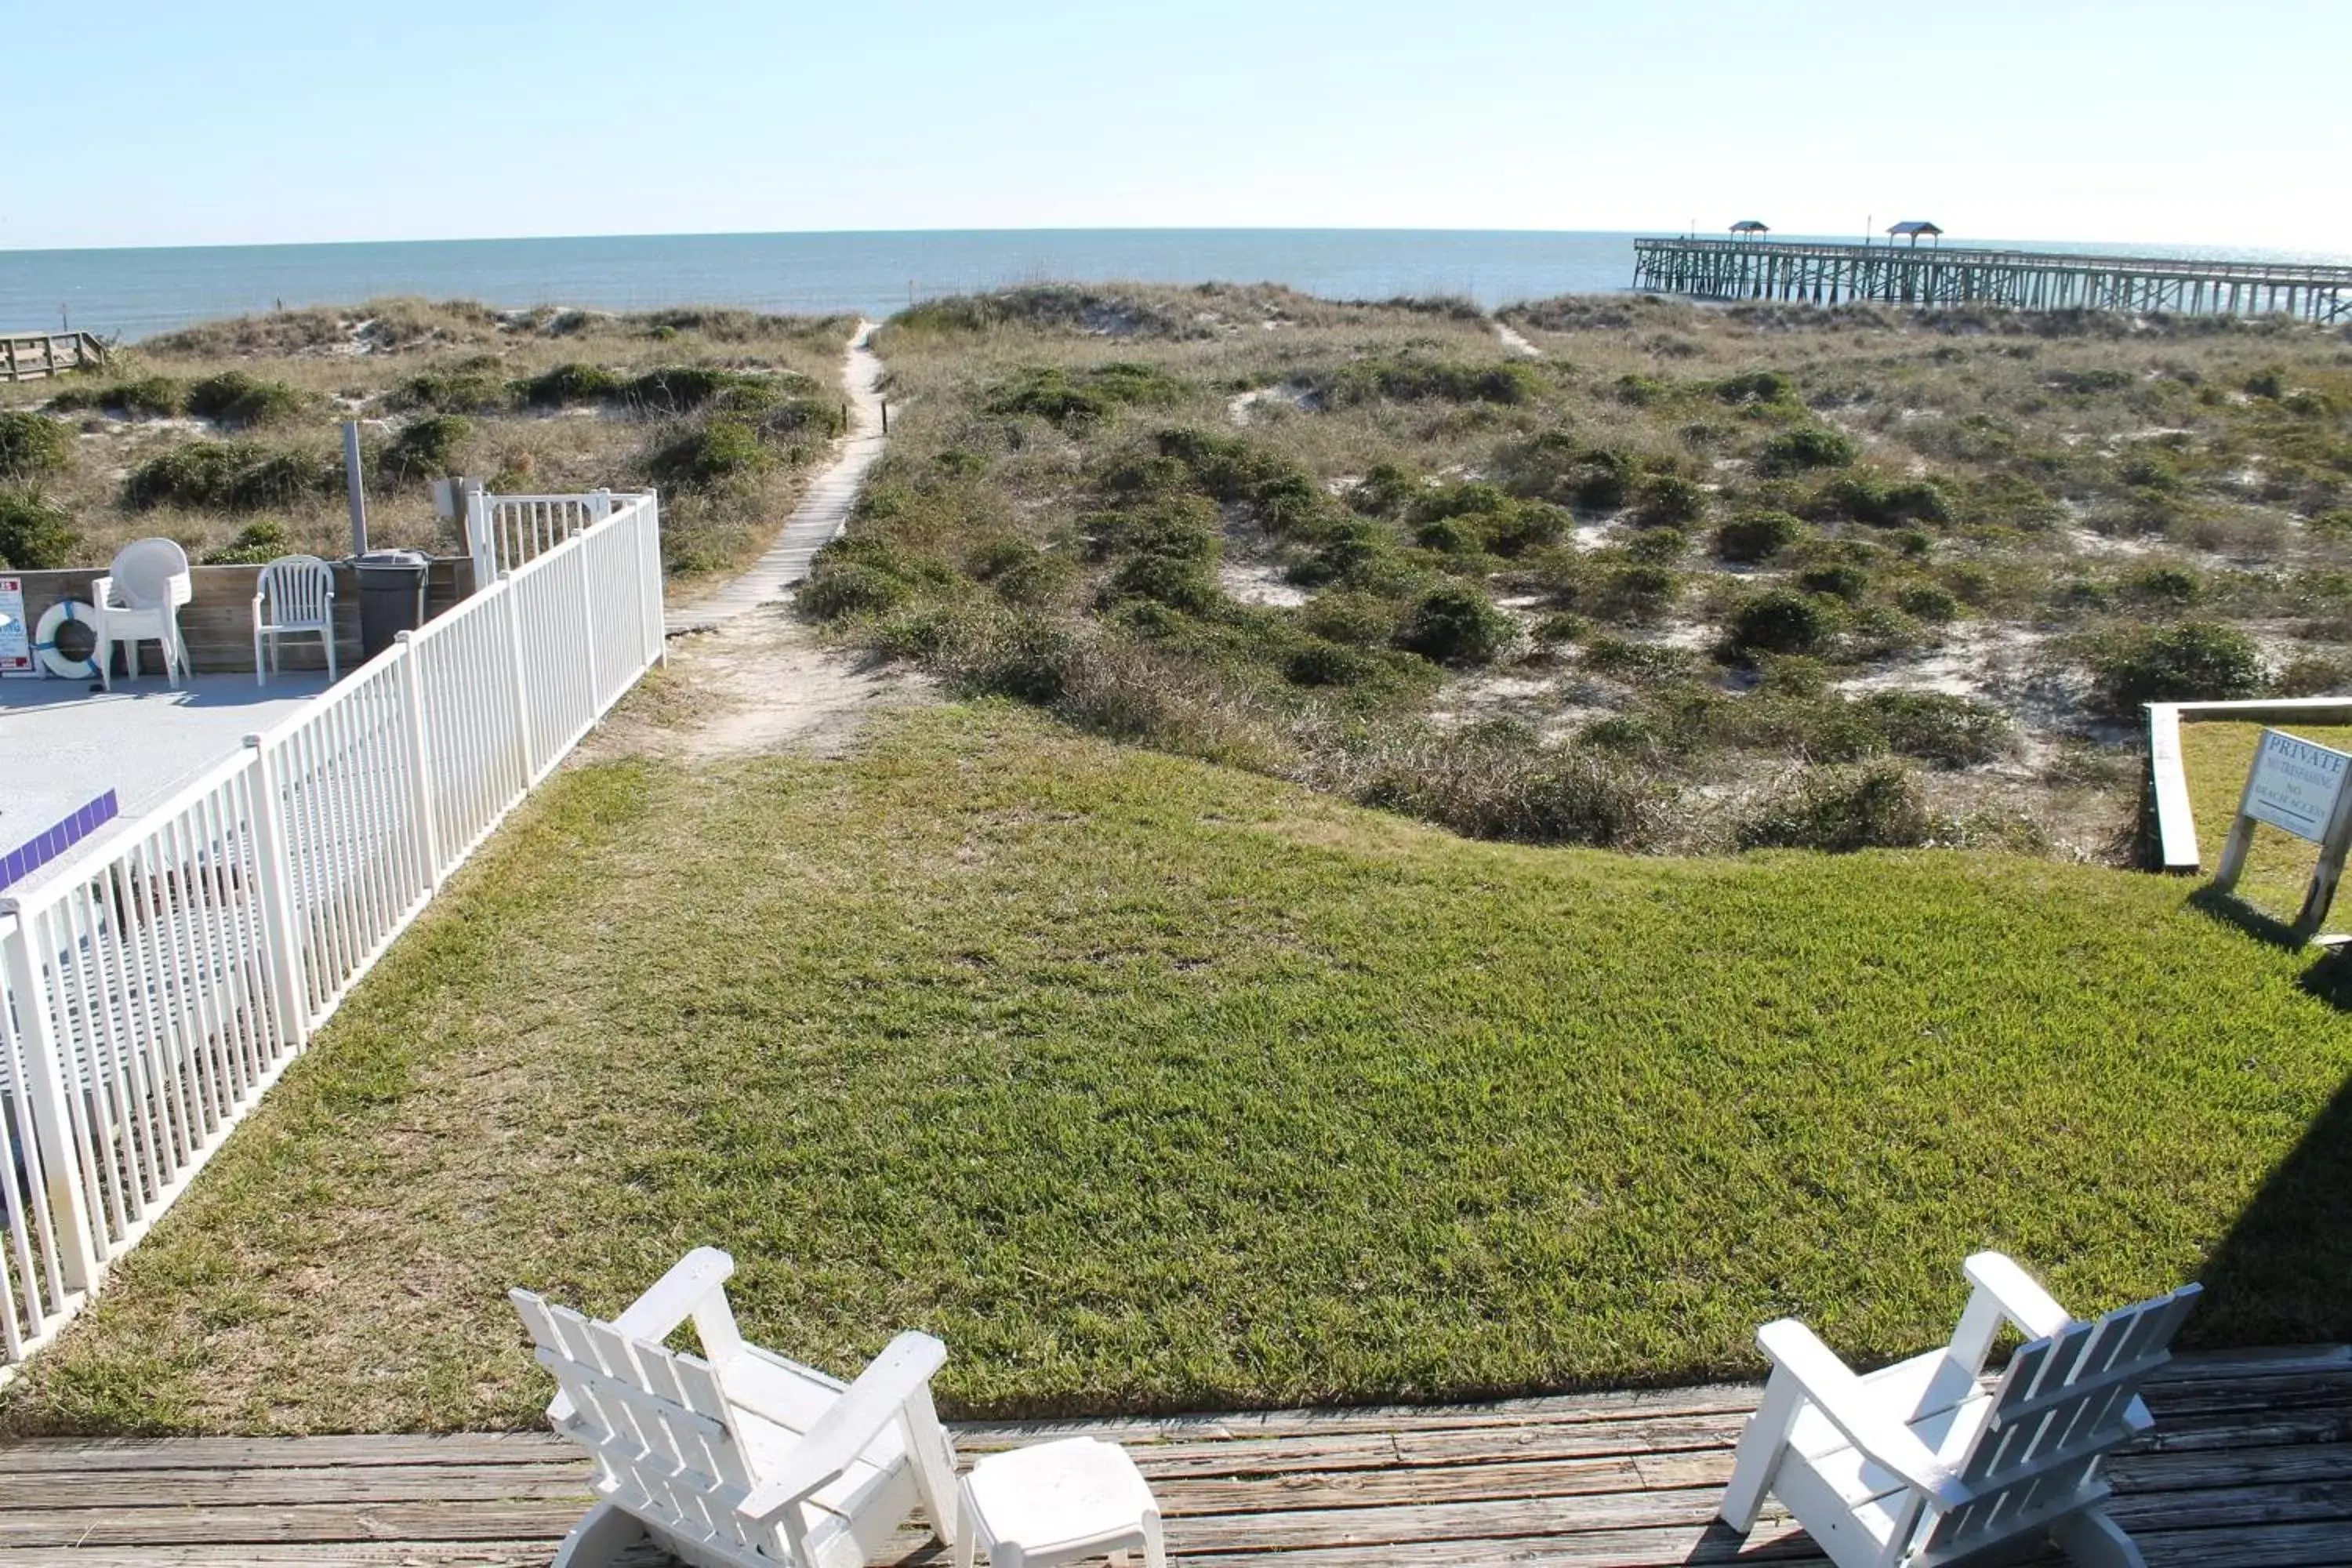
x: 151, y: 992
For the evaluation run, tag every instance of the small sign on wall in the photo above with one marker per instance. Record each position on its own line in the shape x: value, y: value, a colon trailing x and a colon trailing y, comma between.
x: 15, y: 637
x: 2298, y: 786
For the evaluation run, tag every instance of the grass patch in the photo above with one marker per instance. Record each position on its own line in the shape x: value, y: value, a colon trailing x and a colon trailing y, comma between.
x: 1152, y: 1084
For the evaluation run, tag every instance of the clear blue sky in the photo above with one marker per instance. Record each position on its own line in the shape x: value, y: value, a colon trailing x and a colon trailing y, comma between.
x: 2223, y: 122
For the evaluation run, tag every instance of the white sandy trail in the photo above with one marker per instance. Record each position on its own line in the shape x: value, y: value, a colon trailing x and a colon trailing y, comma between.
x: 1514, y: 343
x: 823, y: 512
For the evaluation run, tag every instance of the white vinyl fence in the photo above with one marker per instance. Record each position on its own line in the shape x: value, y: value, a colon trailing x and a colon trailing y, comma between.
x: 151, y: 990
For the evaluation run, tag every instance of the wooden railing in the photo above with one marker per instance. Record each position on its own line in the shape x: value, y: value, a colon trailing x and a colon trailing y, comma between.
x: 27, y: 356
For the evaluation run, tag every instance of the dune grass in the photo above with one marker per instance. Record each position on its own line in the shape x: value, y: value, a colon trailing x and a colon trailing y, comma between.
x: 2215, y: 757
x: 1147, y: 1084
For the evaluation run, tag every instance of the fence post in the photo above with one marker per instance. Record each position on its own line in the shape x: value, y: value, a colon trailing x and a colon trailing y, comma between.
x: 45, y: 1087
x: 481, y: 537
x: 649, y: 579
x: 420, y: 762
x: 521, y: 687
x: 588, y: 631
x: 634, y: 519
x: 287, y: 955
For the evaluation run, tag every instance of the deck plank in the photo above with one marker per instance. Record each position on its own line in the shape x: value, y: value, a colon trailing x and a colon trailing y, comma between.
x: 2250, y: 1467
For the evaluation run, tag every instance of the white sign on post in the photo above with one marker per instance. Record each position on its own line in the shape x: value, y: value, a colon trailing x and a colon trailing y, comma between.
x: 2298, y: 786
x: 2294, y: 785
x: 15, y: 637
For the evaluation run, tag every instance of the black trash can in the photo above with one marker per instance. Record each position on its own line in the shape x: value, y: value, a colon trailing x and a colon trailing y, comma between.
x: 392, y: 595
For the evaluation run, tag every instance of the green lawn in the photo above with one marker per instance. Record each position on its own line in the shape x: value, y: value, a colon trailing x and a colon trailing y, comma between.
x: 2215, y: 757
x: 1146, y: 1084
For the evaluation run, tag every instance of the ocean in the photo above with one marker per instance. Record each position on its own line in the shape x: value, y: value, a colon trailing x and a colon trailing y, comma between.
x: 132, y: 293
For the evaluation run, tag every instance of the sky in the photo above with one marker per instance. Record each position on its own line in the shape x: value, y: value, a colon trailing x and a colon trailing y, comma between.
x: 2225, y: 122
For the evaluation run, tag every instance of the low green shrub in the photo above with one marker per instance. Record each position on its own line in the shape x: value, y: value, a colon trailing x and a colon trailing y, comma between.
x: 1668, y: 500
x: 1039, y: 580
x: 1419, y: 380
x: 1874, y: 806
x: 567, y: 385
x: 1808, y: 446
x: 425, y: 449
x: 1454, y: 623
x: 256, y: 544
x: 1562, y: 626
x: 2315, y: 675
x: 141, y: 398
x: 1638, y: 662
x: 453, y: 392
x: 1354, y: 619
x: 2166, y: 585
x: 1925, y: 602
x: 1757, y: 386
x: 1756, y: 536
x: 1320, y: 663
x: 838, y: 589
x: 1493, y: 780
x: 1084, y: 397
x: 1779, y: 622
x: 1942, y: 728
x: 36, y: 536
x: 234, y: 397
x: 1872, y: 499
x: 2187, y: 661
x: 228, y: 475
x: 1181, y: 583
x: 1628, y: 590
x: 32, y: 445
x: 1839, y: 580
x: 1658, y: 546
x: 724, y: 449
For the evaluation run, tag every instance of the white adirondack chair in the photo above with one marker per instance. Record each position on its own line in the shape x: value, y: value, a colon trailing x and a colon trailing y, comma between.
x: 738, y: 1458
x: 1918, y: 1465
x: 138, y: 601
x: 294, y: 595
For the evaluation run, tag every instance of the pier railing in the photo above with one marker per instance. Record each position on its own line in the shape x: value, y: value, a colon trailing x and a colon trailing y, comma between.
x: 27, y: 356
x: 2025, y: 279
x: 152, y: 991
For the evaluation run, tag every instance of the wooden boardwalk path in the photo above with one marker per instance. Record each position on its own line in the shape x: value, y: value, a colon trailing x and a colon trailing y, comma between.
x: 822, y: 512
x: 2250, y: 1467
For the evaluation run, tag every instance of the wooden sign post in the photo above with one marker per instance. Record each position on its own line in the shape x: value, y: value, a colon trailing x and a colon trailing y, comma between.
x: 2298, y: 786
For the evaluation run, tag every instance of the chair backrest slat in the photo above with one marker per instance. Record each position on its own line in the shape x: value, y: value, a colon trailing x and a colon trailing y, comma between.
x: 653, y: 1417
x: 2059, y: 1408
x: 298, y: 590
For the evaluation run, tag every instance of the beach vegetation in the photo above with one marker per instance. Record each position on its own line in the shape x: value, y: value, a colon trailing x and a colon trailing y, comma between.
x: 35, y: 533
x: 32, y: 445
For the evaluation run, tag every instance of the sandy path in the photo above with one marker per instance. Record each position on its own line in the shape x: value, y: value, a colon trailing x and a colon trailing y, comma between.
x: 746, y: 674
x: 822, y: 511
x: 1514, y: 343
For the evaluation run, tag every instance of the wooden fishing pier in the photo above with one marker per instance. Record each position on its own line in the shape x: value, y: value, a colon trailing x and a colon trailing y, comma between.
x: 2021, y: 279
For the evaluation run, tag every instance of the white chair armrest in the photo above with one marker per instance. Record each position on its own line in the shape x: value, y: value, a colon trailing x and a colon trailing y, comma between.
x: 657, y: 1314
x: 833, y: 1443
x: 101, y: 592
x: 1833, y: 1389
x: 2026, y: 1303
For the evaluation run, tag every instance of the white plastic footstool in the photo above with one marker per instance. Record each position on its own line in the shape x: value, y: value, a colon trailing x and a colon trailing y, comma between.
x: 1058, y: 1502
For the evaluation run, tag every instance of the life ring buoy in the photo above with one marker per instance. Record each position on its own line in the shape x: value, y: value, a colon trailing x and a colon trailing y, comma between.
x: 54, y: 658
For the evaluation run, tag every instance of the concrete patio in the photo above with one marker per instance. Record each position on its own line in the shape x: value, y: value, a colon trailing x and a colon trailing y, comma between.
x: 64, y: 743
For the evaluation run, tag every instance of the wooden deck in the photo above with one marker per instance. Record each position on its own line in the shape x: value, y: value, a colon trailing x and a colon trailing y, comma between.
x: 2251, y: 1464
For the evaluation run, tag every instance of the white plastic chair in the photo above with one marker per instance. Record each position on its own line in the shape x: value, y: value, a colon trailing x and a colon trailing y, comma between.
x: 1918, y: 1465
x: 138, y: 600
x: 738, y: 1458
x: 293, y: 597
